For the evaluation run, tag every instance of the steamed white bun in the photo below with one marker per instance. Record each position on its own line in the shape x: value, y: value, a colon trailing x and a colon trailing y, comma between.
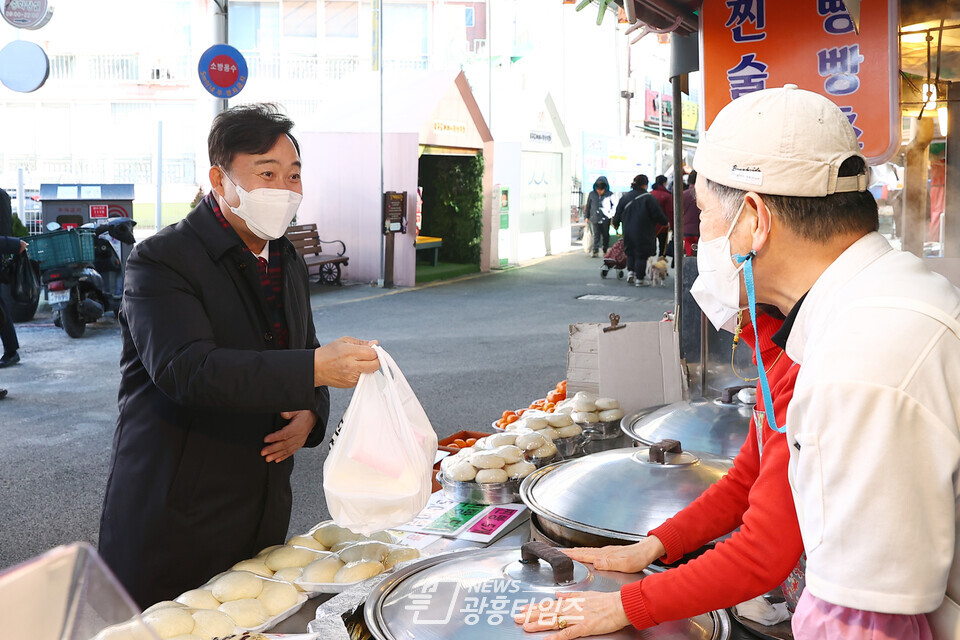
x: 246, y: 612
x: 236, y: 585
x: 199, y: 599
x: 277, y: 597
x: 213, y: 624
x: 170, y: 622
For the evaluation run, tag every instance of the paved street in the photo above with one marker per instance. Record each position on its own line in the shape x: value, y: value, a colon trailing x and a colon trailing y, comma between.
x: 470, y: 348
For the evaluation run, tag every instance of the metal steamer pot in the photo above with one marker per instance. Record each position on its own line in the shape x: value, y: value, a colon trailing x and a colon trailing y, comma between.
x: 717, y: 426
x: 475, y: 594
x: 616, y: 497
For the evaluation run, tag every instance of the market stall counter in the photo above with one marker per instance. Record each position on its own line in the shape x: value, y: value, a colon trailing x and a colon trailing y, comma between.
x: 509, y: 542
x: 517, y: 533
x: 479, y: 556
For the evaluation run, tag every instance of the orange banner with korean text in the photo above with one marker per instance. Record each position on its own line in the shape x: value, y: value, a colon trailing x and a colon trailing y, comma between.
x: 750, y: 45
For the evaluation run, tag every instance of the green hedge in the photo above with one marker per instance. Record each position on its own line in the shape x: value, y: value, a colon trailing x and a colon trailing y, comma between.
x: 453, y: 205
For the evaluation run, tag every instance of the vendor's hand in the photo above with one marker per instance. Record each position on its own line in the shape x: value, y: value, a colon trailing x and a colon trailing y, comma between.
x: 282, y: 444
x: 340, y: 363
x: 582, y: 614
x: 23, y: 246
x: 632, y: 558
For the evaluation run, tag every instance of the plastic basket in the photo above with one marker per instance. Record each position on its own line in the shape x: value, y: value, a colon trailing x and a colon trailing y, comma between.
x: 61, y: 248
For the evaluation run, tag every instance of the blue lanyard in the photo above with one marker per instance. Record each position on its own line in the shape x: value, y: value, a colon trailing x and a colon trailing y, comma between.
x: 752, y: 303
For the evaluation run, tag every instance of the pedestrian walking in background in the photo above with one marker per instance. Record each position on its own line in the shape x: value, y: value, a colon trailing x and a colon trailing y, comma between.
x: 599, y: 210
x: 665, y: 200
x: 640, y: 216
x: 691, y: 216
x: 8, y: 333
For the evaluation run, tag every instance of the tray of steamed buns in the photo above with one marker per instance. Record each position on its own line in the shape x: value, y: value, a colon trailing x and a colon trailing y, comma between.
x: 559, y: 427
x: 490, y: 472
x: 258, y: 593
x: 598, y: 417
x: 350, y: 558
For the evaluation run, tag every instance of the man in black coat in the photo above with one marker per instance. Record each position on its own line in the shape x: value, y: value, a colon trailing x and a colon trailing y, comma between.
x: 222, y: 374
x: 8, y: 333
x: 639, y: 213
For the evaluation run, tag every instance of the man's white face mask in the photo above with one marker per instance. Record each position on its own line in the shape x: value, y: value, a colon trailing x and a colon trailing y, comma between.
x: 267, y: 212
x: 717, y: 287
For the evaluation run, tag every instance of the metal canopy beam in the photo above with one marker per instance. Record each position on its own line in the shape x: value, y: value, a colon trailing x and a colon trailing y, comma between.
x: 661, y: 14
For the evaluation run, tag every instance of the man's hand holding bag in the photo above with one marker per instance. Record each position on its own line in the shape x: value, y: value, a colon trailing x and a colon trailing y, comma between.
x: 378, y: 472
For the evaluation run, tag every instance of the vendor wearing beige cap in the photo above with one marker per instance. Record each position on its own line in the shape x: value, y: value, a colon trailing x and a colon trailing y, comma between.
x: 873, y: 424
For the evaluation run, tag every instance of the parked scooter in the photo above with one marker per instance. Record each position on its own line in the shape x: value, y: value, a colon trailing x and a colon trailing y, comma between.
x: 81, y: 294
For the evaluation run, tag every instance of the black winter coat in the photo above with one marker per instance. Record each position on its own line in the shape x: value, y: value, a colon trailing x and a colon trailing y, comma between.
x: 188, y: 494
x: 9, y: 245
x: 639, y: 214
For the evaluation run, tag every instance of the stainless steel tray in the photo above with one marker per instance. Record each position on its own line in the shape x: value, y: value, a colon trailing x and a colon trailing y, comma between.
x: 571, y: 447
x: 476, y: 493
x: 602, y: 430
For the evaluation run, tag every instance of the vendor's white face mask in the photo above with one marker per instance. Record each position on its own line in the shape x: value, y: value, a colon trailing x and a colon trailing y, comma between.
x: 267, y: 212
x: 717, y: 287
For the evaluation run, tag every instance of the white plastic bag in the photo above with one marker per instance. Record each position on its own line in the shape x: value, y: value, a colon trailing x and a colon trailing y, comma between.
x: 379, y: 471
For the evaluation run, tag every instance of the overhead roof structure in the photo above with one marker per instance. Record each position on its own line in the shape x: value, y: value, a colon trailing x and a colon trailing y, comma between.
x: 682, y: 16
x: 677, y: 15
x: 919, y: 17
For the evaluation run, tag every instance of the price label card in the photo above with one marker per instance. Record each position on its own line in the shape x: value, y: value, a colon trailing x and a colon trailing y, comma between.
x: 455, y: 519
x: 492, y: 523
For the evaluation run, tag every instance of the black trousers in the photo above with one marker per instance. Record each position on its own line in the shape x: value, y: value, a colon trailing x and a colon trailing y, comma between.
x: 8, y: 334
x: 662, y: 242
x: 636, y: 257
x: 601, y: 234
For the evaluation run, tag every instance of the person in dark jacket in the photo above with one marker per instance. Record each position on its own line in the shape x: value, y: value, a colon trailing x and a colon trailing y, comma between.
x: 598, y: 210
x: 8, y: 333
x: 640, y: 215
x: 665, y: 200
x: 222, y: 376
x: 691, y: 216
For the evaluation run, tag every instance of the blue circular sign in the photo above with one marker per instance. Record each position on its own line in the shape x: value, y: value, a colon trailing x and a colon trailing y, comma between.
x: 223, y: 71
x: 24, y: 66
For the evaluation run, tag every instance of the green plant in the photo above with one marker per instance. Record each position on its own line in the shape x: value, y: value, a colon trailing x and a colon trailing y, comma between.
x: 197, y: 199
x: 19, y: 231
x: 453, y: 205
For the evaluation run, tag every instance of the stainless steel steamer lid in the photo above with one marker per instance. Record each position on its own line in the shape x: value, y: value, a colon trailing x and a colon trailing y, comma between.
x: 621, y: 493
x: 701, y: 425
x: 474, y: 594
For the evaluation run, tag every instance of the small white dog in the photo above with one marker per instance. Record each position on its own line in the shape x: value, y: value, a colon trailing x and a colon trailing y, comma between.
x: 656, y: 271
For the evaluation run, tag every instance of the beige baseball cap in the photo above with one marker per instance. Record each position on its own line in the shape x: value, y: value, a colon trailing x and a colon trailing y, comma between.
x: 783, y: 142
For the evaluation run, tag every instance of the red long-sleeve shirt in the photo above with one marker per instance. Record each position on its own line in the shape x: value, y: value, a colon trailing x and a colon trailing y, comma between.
x: 755, y: 496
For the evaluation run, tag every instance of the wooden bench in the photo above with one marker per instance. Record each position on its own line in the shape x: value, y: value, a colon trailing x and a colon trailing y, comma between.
x: 425, y: 243
x: 309, y: 245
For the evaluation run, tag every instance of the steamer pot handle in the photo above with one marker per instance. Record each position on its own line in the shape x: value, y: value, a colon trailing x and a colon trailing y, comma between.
x: 729, y: 395
x: 659, y: 451
x: 561, y: 563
